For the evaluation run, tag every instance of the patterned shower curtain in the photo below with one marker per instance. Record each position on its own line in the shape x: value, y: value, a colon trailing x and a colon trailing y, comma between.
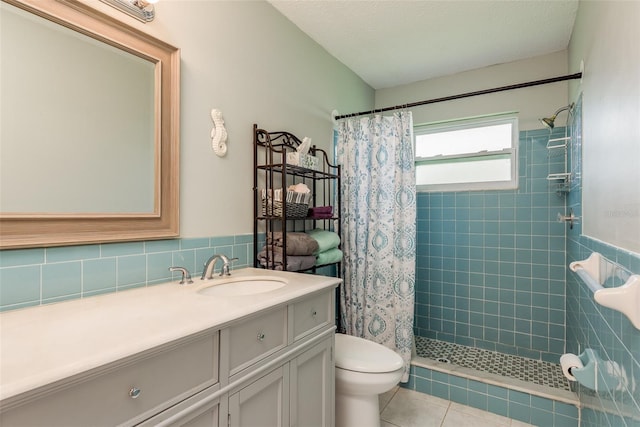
x: 378, y: 228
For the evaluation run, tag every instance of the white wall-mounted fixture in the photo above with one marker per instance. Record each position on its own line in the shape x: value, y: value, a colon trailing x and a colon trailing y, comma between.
x: 218, y: 133
x: 139, y: 9
x: 597, y: 270
x: 334, y: 114
x: 591, y: 371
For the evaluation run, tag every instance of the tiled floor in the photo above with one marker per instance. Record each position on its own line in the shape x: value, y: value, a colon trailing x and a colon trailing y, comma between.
x: 529, y: 370
x: 406, y: 408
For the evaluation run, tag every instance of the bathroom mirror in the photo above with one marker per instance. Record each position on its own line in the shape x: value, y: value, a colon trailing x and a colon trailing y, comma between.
x: 90, y: 128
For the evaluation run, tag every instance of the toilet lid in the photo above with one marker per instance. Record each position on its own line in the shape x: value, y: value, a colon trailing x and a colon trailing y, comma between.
x: 361, y: 355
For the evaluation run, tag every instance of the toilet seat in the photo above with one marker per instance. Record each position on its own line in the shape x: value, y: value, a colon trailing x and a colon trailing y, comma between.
x: 361, y: 355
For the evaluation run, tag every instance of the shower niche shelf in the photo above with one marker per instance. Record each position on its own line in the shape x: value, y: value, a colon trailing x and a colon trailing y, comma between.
x: 558, y: 147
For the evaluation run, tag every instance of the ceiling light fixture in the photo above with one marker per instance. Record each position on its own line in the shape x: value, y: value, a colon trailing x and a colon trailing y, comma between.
x: 139, y: 9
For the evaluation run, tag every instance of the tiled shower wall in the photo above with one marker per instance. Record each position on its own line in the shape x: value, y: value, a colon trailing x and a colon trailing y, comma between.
x: 590, y: 325
x: 491, y: 264
x: 43, y: 275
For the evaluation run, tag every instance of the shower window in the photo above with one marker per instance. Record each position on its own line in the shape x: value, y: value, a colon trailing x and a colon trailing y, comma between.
x: 472, y: 154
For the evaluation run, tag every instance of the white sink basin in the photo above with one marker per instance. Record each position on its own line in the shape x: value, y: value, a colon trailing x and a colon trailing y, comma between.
x: 242, y: 287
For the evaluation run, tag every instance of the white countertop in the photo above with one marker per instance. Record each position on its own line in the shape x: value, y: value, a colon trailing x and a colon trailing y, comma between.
x: 43, y: 344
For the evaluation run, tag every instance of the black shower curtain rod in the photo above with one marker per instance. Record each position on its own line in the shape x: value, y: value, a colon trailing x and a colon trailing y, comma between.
x: 465, y: 95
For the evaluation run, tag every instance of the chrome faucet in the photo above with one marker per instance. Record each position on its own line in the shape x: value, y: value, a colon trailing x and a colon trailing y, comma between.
x: 186, y: 276
x: 209, y: 266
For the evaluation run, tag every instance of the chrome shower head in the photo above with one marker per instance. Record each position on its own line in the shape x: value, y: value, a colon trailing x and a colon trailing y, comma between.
x: 549, y: 121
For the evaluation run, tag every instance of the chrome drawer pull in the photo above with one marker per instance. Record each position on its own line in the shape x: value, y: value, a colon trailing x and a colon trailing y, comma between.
x: 134, y: 393
x: 260, y: 336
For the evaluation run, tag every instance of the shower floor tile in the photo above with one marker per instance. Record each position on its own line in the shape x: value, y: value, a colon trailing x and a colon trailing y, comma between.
x: 530, y: 370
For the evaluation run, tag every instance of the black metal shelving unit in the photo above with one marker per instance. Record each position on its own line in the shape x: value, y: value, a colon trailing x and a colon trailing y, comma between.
x: 272, y: 172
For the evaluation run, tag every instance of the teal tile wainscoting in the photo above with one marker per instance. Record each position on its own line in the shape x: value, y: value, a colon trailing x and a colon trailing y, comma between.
x: 499, y: 400
x: 609, y: 333
x: 590, y: 325
x: 37, y: 276
x: 491, y: 264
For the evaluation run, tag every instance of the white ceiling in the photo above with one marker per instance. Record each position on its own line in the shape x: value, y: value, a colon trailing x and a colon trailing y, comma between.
x: 393, y: 42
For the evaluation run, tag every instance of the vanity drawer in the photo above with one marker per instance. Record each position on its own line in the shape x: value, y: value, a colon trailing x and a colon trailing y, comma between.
x: 311, y: 314
x: 127, y: 393
x: 256, y: 338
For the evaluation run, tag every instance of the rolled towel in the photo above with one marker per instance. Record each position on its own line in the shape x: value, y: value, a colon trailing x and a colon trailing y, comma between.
x: 297, y: 243
x: 299, y: 188
x: 326, y: 239
x: 329, y: 257
x: 321, y: 210
x: 321, y: 216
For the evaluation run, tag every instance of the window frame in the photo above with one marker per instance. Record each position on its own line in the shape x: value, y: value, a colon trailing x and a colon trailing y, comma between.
x: 461, y: 124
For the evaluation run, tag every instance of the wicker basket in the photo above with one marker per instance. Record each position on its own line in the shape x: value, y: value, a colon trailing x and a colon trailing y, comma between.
x: 297, y: 204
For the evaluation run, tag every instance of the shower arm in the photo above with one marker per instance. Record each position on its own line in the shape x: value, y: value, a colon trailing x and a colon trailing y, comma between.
x: 550, y: 121
x: 560, y: 110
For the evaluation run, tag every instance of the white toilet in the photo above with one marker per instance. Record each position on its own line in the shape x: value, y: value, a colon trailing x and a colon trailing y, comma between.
x: 364, y: 369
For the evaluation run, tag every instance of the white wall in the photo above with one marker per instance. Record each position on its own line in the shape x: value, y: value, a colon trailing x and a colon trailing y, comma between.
x: 246, y: 59
x: 531, y: 103
x: 606, y: 37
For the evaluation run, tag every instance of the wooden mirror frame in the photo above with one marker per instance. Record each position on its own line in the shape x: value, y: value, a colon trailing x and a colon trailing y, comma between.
x: 23, y: 230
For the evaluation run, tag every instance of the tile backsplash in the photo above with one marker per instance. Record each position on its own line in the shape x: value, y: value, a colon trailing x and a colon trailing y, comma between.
x: 44, y: 275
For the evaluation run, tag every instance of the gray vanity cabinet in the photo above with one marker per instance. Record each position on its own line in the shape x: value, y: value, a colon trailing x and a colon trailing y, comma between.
x: 264, y: 402
x: 299, y: 391
x: 312, y: 387
x: 296, y: 394
x: 201, y: 410
x: 273, y: 368
x: 123, y: 393
x: 207, y: 418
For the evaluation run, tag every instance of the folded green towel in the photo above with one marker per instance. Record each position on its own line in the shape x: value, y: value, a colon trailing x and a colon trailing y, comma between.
x: 326, y: 239
x: 329, y: 257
